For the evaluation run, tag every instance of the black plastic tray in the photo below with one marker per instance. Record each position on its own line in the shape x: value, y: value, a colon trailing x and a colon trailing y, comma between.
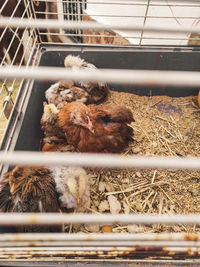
x: 27, y: 132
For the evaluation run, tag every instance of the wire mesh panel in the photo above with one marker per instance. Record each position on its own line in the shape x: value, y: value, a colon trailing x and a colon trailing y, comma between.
x: 73, y: 11
x: 139, y: 13
x: 15, y: 47
x: 149, y: 13
x: 152, y: 187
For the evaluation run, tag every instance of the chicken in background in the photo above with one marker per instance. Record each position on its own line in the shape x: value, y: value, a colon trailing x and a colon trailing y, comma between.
x: 49, y: 124
x: 64, y: 92
x: 72, y: 184
x: 97, y: 91
x: 98, y: 128
x: 30, y: 189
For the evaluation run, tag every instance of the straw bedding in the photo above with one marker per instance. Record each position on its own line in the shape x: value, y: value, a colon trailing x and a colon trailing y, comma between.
x: 3, y: 94
x: 163, y: 126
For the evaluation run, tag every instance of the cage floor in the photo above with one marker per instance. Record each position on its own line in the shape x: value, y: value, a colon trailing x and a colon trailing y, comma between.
x: 163, y: 126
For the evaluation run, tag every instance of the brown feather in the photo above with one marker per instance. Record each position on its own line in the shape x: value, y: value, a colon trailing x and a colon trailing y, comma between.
x: 32, y: 189
x: 49, y: 125
x: 109, y: 133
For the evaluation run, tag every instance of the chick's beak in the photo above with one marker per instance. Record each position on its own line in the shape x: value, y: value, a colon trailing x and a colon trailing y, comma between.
x: 12, y: 189
x: 78, y: 201
x: 90, y: 125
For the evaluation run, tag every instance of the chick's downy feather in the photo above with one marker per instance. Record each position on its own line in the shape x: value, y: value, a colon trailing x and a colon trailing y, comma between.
x: 64, y: 92
x: 49, y: 125
x: 97, y: 91
x: 96, y: 128
x: 31, y: 189
x: 72, y: 183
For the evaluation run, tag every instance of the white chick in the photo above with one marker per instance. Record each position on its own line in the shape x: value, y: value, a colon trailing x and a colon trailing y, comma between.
x: 50, y: 113
x: 77, y: 62
x: 64, y: 92
x: 49, y: 124
x: 72, y: 183
x: 98, y: 91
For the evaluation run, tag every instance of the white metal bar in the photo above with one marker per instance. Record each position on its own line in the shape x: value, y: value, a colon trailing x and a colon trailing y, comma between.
x: 71, y: 245
x: 47, y: 251
x: 99, y: 237
x: 116, y: 16
x: 53, y: 251
x: 98, y: 160
x: 129, y: 2
x: 133, y: 4
x: 4, y: 4
x: 92, y: 250
x: 86, y: 218
x: 116, y: 76
x: 144, y: 22
x: 67, y: 25
x: 118, y: 37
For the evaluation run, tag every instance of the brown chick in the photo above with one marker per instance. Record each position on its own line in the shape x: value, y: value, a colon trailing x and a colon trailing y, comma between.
x: 64, y: 92
x: 98, y: 91
x: 30, y: 189
x: 49, y: 124
x: 72, y: 184
x: 96, y: 128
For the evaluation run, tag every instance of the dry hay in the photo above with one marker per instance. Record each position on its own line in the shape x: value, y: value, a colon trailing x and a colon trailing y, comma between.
x: 163, y: 126
x: 4, y: 93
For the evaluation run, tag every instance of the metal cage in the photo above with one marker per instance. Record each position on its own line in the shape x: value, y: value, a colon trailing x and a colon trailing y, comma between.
x: 123, y: 38
x: 73, y: 11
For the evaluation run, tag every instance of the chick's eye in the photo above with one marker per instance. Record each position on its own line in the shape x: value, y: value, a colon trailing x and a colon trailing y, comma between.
x: 72, y: 116
x: 16, y: 175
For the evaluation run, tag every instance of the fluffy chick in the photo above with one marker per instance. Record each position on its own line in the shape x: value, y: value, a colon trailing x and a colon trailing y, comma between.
x: 30, y: 189
x: 98, y: 128
x: 72, y: 183
x: 49, y: 124
x: 64, y: 92
x: 98, y: 91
